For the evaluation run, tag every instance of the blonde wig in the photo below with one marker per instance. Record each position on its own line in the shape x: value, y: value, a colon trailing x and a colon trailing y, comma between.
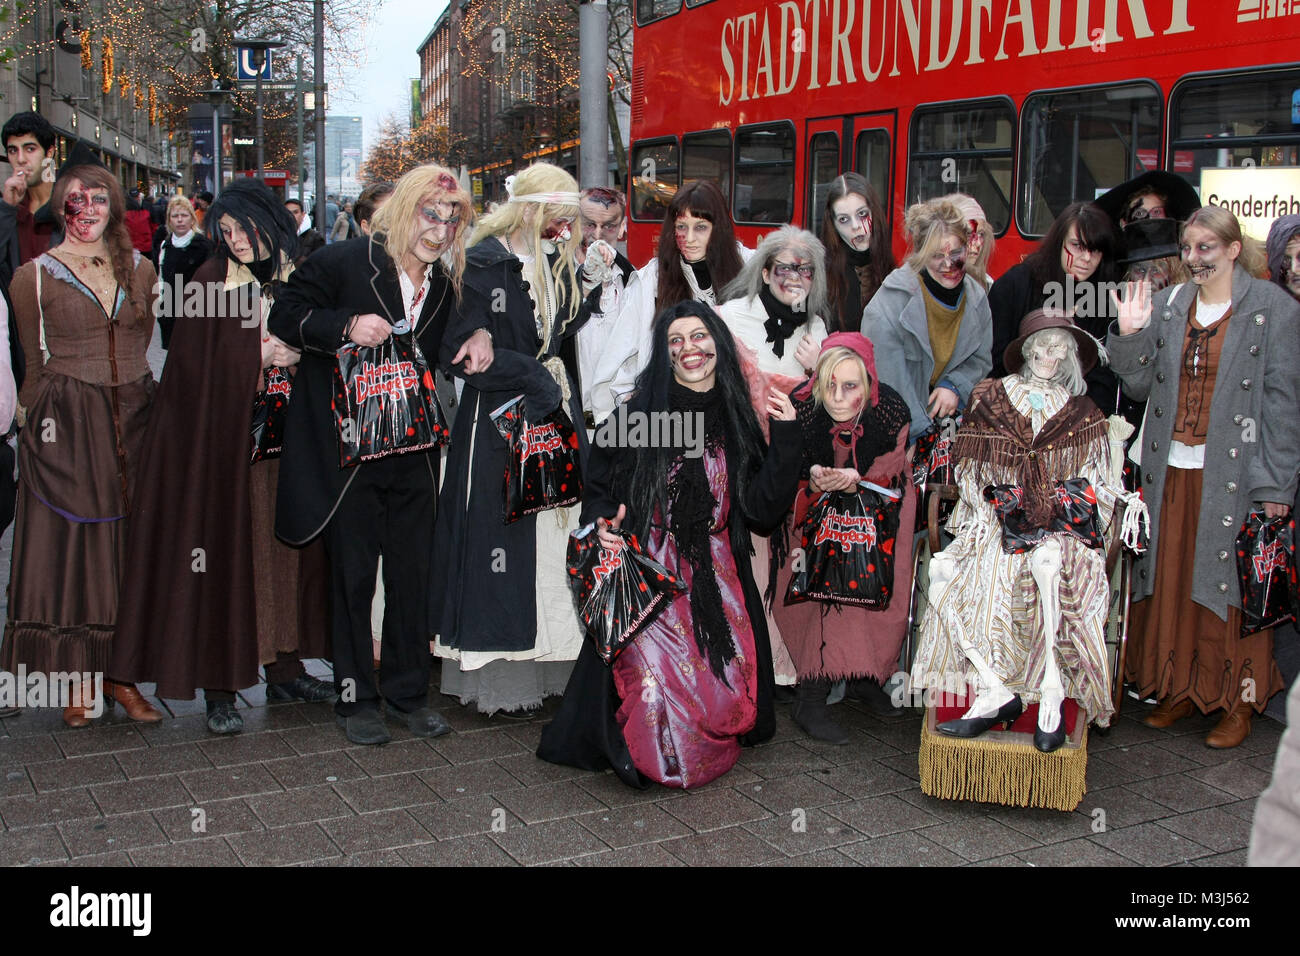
x: 928, y: 224
x: 397, y: 220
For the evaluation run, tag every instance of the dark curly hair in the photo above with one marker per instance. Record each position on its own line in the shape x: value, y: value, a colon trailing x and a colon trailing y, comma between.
x: 704, y: 200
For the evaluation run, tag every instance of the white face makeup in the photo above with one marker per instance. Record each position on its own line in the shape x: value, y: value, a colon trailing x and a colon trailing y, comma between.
x: 948, y: 266
x: 1206, y: 255
x: 1047, y: 350
x: 600, y: 222
x: 1155, y: 271
x: 1291, y: 265
x: 692, y: 235
x: 435, y: 228
x: 789, y: 277
x: 692, y: 353
x: 1076, y: 258
x: 847, y: 393
x: 852, y: 220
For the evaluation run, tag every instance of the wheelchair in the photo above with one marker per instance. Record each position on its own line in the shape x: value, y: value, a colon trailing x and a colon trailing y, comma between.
x: 1004, y: 766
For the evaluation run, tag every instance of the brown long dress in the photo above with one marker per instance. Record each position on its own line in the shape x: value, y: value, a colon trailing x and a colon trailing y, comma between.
x: 217, y: 594
x: 1182, y: 650
x: 87, y: 407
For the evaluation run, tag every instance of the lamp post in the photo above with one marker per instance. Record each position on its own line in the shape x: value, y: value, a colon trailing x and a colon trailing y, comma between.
x: 259, y: 46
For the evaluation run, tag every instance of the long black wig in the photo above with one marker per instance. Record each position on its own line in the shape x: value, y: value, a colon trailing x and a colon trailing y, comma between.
x: 259, y: 213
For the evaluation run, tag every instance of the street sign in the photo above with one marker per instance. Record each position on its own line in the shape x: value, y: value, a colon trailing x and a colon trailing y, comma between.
x: 272, y: 177
x: 246, y: 70
x: 281, y: 86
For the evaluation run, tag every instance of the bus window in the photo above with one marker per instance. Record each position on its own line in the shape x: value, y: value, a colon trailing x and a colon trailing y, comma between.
x: 1076, y: 144
x: 707, y: 155
x: 871, y: 159
x: 764, y: 191
x: 964, y: 147
x: 654, y: 178
x: 648, y: 11
x: 823, y: 167
x: 1241, y: 120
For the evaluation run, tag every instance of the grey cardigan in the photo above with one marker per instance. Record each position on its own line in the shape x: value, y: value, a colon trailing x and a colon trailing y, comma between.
x: 895, y: 322
x: 1253, y: 441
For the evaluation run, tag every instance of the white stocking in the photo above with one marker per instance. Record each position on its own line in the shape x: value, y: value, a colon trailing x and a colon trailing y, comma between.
x: 992, y: 693
x: 1045, y: 565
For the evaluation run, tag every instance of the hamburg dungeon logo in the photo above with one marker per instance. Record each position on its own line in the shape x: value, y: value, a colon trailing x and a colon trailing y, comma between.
x: 846, y: 530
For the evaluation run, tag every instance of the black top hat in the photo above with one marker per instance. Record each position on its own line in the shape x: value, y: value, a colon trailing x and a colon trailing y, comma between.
x: 1180, y: 198
x: 1149, y: 239
x: 1038, y: 320
x: 81, y: 155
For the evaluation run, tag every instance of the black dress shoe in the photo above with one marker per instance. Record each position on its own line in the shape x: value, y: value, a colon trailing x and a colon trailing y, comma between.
x: 1048, y: 742
x: 304, y: 687
x: 974, y: 726
x: 223, y: 718
x: 423, y: 721
x: 366, y: 727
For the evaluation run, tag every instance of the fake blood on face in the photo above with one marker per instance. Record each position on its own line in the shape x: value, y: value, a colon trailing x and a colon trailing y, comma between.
x: 84, y: 211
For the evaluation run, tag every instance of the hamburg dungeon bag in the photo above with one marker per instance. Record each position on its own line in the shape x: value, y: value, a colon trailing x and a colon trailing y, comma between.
x: 542, y: 469
x: 1266, y: 564
x: 847, y: 545
x: 384, y: 401
x: 270, y: 409
x: 616, y: 593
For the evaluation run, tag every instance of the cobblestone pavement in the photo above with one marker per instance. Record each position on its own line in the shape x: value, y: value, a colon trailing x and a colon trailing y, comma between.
x: 292, y: 790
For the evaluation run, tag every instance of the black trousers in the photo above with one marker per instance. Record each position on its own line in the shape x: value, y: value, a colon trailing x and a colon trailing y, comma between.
x: 387, y: 510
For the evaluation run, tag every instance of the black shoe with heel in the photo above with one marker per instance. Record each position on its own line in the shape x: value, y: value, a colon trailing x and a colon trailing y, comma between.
x: 1048, y: 742
x: 974, y: 726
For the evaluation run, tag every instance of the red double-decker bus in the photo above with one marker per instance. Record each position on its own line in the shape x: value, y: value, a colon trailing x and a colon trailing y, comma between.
x: 1025, y: 104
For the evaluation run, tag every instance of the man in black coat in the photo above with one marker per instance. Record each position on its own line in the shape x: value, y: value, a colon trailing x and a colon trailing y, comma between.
x: 363, y: 291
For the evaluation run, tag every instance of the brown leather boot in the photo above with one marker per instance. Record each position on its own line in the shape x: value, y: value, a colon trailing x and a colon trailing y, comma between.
x: 1232, y: 729
x: 75, y: 715
x: 1166, y: 714
x: 133, y: 702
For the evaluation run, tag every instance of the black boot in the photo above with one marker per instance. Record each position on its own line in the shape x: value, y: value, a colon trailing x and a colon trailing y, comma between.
x: 868, y: 691
x: 813, y: 715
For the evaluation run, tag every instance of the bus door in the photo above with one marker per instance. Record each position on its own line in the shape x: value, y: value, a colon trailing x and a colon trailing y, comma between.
x: 871, y: 153
x: 825, y: 143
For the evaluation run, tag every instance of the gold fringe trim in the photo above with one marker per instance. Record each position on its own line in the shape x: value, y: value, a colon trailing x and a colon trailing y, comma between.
x: 1016, y: 775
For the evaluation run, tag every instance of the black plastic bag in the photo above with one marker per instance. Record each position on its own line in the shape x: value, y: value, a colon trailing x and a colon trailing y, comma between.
x: 1266, y: 566
x: 1074, y: 511
x: 932, y: 464
x: 847, y: 548
x: 542, y: 465
x: 384, y: 401
x: 616, y: 593
x: 270, y: 411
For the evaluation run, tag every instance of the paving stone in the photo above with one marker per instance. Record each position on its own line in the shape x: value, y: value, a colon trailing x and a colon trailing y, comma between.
x: 548, y: 842
x: 1102, y: 773
x: 528, y: 735
x: 462, y: 852
x: 212, y: 852
x: 465, y: 719
x: 465, y: 817
x: 458, y: 781
x: 1045, y: 826
x: 191, y: 728
x: 877, y: 816
x: 316, y: 739
x: 244, y: 748
x: 738, y: 777
x: 115, y: 860
x: 15, y: 783
x: 781, y: 760
x: 33, y: 721
x: 819, y: 858
x: 1245, y: 809
x: 24, y: 751
x: 377, y: 831
x: 531, y: 770
x: 75, y: 772
x: 613, y: 792
x: 464, y: 748
x: 811, y: 830
x: 1123, y: 807
x: 901, y: 849
x: 1144, y: 761
x: 366, y: 858
x: 125, y: 832
x: 630, y: 826
x: 219, y: 818
x: 1266, y: 763
x: 1236, y: 859
x: 224, y: 782
x: 260, y: 719
x: 1150, y: 845
x: 711, y: 811
x: 947, y: 810
x: 283, y: 845
x: 1212, y: 828
x: 1181, y: 792
x: 33, y: 845
x: 1009, y: 860
x: 866, y: 780
x: 783, y: 794
x: 54, y: 807
x: 1237, y: 778
x: 1192, y: 747
x: 552, y: 801
x: 303, y: 805
x: 906, y: 764
x: 903, y: 736
x: 979, y: 839
x: 406, y: 756
x: 732, y: 847
x: 164, y: 759
x: 100, y: 740
x: 368, y: 794
x: 147, y: 793
x: 314, y: 770
x: 1071, y: 853
x: 649, y: 854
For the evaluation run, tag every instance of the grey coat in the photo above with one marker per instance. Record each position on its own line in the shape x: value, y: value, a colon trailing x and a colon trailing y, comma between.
x: 1253, y: 440
x: 895, y: 322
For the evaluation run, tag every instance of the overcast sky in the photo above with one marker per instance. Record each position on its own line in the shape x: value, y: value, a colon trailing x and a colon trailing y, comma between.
x: 384, y: 83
